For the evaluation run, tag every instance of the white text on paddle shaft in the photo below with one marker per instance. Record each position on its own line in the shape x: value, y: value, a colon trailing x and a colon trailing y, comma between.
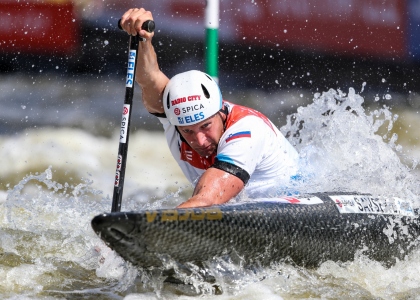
x: 124, y: 123
x: 117, y: 172
x: 196, y: 214
x: 130, y: 68
x: 117, y: 178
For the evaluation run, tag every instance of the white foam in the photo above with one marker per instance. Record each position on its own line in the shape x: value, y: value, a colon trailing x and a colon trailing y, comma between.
x: 45, y: 220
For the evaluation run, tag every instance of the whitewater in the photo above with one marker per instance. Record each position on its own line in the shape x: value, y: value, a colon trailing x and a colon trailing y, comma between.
x: 58, y: 149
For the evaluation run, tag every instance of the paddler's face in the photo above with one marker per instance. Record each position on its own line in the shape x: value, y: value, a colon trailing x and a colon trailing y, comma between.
x: 204, y: 137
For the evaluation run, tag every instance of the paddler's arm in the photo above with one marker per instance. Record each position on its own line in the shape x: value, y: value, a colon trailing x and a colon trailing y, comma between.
x: 148, y: 75
x: 214, y: 187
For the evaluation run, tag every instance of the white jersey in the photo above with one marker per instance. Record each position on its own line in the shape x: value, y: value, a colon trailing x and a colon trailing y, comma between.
x: 251, y: 148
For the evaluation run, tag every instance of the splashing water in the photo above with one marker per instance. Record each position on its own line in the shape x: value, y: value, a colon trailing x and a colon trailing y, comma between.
x: 341, y: 150
x: 48, y: 248
x: 47, y: 245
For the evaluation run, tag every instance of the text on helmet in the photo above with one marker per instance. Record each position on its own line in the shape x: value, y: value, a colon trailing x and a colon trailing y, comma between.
x: 185, y: 99
x: 188, y: 109
x: 191, y: 119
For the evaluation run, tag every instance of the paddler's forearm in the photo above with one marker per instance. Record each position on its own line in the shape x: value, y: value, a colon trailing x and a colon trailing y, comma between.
x: 150, y: 78
x: 214, y: 187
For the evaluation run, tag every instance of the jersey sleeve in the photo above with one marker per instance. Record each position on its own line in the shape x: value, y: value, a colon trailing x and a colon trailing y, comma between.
x: 241, y: 147
x: 230, y: 168
x: 171, y: 137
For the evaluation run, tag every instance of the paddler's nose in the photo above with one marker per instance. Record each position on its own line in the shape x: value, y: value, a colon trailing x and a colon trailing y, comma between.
x: 200, y: 139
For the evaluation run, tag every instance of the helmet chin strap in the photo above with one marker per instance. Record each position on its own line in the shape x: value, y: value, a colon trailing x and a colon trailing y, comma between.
x: 224, y: 110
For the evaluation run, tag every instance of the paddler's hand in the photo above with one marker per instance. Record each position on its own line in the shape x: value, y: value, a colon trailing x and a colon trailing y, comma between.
x: 148, y: 74
x: 132, y: 21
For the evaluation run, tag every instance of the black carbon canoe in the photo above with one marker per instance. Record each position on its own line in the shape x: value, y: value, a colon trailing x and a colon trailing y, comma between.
x: 308, y: 229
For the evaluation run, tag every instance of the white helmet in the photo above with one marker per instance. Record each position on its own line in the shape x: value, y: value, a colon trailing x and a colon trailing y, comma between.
x: 191, y: 97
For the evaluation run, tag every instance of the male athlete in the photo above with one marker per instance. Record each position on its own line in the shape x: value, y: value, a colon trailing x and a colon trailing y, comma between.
x: 221, y: 147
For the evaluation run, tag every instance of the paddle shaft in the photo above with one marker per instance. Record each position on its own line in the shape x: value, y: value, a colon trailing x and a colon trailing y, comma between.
x: 126, y: 116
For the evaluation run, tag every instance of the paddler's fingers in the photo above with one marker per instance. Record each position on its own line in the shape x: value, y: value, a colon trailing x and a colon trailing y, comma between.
x: 133, y: 19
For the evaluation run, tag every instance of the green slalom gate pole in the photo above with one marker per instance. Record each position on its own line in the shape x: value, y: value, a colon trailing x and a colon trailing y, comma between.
x: 212, y: 38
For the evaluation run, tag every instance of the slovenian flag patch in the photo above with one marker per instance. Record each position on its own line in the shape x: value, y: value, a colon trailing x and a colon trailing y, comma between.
x: 242, y: 134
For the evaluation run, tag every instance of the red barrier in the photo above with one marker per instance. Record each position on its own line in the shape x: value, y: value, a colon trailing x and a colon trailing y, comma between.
x: 350, y: 27
x: 41, y: 28
x: 344, y: 27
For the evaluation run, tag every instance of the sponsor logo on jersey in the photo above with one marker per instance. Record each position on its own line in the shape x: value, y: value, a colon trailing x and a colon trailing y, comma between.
x: 238, y: 135
x: 177, y: 111
x: 185, y: 99
x: 189, y: 155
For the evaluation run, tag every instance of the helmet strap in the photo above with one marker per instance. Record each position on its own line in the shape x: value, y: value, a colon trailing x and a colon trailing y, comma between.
x: 224, y: 110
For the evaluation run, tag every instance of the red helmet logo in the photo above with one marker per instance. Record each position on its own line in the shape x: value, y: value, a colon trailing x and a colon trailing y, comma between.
x: 177, y: 111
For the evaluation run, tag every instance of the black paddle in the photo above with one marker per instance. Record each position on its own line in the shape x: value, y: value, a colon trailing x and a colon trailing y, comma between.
x: 126, y: 115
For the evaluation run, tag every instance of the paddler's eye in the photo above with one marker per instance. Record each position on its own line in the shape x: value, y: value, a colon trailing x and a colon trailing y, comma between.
x: 206, y: 125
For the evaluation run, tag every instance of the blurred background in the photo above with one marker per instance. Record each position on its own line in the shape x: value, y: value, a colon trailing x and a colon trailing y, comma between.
x: 62, y: 64
x: 62, y: 86
x: 269, y: 45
